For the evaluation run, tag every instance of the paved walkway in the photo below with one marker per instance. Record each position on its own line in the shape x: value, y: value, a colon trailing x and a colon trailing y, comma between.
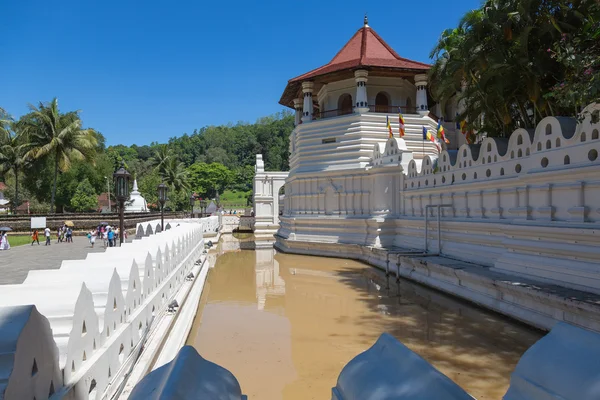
x: 16, y: 262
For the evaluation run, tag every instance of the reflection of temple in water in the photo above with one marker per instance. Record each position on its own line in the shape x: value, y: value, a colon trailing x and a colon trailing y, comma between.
x: 299, y: 319
x: 268, y: 280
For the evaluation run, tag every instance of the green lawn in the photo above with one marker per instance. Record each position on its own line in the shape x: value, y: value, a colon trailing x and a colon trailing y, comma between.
x: 234, y: 198
x: 19, y: 240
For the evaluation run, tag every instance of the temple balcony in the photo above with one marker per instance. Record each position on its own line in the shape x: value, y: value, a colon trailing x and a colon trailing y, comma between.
x: 346, y: 141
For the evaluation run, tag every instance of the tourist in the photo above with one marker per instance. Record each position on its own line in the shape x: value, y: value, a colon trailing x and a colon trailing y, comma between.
x: 58, y: 234
x: 111, y: 236
x: 105, y: 236
x: 4, y: 245
x: 47, y: 235
x: 69, y: 235
x: 117, y: 233
x: 35, y: 237
x: 92, y: 235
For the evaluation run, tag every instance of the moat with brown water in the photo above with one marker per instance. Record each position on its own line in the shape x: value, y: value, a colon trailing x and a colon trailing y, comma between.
x: 285, y: 325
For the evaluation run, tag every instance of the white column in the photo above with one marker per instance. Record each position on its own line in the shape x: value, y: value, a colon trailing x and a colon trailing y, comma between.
x: 421, y: 84
x: 298, y: 108
x: 361, y: 104
x: 307, y: 110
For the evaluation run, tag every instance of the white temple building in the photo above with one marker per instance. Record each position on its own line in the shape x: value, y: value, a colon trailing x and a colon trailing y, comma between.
x: 499, y: 222
x: 136, y: 203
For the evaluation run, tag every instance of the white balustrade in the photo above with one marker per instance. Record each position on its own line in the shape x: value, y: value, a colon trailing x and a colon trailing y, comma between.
x: 98, y: 310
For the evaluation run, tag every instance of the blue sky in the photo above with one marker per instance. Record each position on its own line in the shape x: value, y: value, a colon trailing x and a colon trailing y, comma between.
x: 143, y: 71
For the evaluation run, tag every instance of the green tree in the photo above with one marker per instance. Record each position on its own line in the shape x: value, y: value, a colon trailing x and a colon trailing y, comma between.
x: 579, y: 53
x: 499, y: 63
x: 209, y: 179
x: 85, y: 198
x: 242, y: 178
x: 162, y: 155
x: 13, y: 148
x: 175, y: 175
x: 52, y: 133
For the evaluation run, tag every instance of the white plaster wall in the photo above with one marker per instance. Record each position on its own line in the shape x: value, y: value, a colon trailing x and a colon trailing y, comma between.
x: 99, y: 308
x: 355, y: 135
x: 527, y: 206
x: 28, y: 355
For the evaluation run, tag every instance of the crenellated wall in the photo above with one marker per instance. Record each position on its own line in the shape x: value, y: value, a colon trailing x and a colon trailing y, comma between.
x: 527, y: 205
x: 96, y: 312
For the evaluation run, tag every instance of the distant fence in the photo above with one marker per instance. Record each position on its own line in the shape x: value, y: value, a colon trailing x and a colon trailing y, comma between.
x: 84, y: 221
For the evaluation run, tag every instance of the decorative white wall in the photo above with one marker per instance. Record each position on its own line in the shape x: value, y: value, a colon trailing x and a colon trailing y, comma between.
x: 266, y: 198
x: 98, y: 310
x: 528, y: 205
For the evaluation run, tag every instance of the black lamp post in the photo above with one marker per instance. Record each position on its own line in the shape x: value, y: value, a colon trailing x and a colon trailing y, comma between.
x: 121, y: 178
x: 162, y: 198
x: 202, y: 207
x: 192, y: 201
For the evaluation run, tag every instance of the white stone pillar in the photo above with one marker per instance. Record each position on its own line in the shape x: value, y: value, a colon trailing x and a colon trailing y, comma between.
x: 421, y: 84
x: 307, y: 110
x: 298, y: 108
x: 362, y: 104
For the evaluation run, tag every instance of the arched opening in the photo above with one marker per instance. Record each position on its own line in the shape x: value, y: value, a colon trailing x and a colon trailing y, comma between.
x: 281, y: 198
x: 382, y: 102
x: 121, y: 353
x: 93, y: 391
x: 345, y: 104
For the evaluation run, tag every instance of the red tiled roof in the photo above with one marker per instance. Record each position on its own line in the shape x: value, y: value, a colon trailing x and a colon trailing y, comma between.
x: 103, y: 200
x: 365, y: 49
x: 24, y: 206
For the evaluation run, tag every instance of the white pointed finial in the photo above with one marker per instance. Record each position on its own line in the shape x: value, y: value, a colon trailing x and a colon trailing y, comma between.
x: 135, y: 186
x: 366, y: 20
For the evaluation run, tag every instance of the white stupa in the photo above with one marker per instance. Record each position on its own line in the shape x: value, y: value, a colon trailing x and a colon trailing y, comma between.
x: 136, y: 202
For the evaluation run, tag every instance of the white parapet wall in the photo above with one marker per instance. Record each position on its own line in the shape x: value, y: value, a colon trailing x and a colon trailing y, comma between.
x: 28, y: 355
x: 94, y: 314
x: 527, y: 205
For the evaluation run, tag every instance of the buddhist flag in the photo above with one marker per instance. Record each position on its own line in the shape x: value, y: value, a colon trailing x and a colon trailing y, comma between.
x: 441, y: 133
x: 401, y: 122
x: 427, y: 135
x: 389, y: 126
x: 463, y: 127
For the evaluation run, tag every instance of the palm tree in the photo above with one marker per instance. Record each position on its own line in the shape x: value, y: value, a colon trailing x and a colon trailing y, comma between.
x: 13, y: 148
x: 501, y: 55
x: 52, y: 133
x: 175, y: 174
x: 162, y: 155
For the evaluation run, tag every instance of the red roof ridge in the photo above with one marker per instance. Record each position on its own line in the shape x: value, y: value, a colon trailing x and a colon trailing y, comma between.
x: 349, y: 59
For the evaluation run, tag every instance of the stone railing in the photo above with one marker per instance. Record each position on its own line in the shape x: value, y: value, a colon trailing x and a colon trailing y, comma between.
x: 527, y: 206
x: 95, y: 315
x: 209, y: 225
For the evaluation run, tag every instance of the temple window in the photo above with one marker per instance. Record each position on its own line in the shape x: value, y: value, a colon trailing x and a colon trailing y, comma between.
x: 382, y: 102
x: 345, y: 104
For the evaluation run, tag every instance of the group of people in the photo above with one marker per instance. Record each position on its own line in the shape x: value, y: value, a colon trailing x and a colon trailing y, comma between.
x: 108, y: 235
x: 63, y: 234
